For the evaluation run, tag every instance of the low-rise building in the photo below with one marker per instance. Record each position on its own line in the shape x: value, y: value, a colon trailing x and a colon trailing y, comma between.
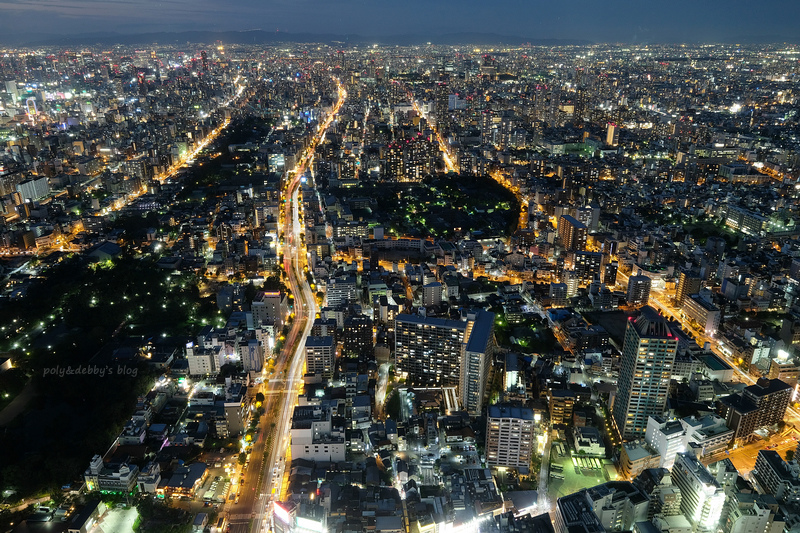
x: 636, y: 457
x: 709, y: 433
x: 120, y: 477
x: 611, y: 506
x: 574, y: 514
x: 316, y: 435
x: 706, y: 314
x: 203, y: 361
x: 184, y: 481
x: 149, y: 478
x: 618, y: 504
x: 747, y: 512
x: 667, y: 437
x: 85, y: 519
x: 297, y: 517
x: 588, y: 441
x: 777, y: 477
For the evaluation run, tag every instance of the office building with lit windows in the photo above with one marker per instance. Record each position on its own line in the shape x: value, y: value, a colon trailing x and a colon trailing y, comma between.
x: 706, y: 314
x: 270, y: 307
x: 638, y: 289
x: 320, y: 356
x: 509, y: 436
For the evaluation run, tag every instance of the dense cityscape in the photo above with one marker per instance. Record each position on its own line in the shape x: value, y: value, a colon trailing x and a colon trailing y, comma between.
x: 344, y: 288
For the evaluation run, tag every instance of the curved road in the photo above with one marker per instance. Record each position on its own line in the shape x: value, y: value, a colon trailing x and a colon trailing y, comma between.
x: 264, y: 477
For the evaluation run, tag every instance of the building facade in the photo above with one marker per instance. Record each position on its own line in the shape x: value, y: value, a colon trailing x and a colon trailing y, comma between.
x: 320, y: 356
x: 510, y: 437
x: 648, y: 353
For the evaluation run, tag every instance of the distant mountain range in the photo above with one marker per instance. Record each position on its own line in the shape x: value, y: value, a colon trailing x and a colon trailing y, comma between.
x: 267, y: 37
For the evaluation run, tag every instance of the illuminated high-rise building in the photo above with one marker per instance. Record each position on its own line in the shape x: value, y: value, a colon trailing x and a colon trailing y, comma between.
x: 610, y: 273
x: 442, y: 96
x: 572, y: 233
x: 11, y: 89
x: 476, y: 358
x: 648, y: 353
x: 688, y: 283
x: 487, y: 124
x: 587, y: 265
x: 270, y: 307
x: 394, y: 162
x: 439, y: 352
x: 510, y: 437
x: 612, y: 134
x: 320, y: 356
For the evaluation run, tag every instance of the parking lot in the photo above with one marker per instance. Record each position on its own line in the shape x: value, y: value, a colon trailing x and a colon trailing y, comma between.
x: 570, y: 473
x: 116, y: 520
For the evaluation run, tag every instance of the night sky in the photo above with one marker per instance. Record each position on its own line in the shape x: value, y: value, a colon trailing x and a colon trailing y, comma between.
x: 630, y: 21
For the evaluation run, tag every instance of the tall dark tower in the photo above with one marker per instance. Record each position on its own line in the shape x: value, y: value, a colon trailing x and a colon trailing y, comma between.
x: 441, y: 103
x: 204, y: 57
x: 142, y: 83
x: 581, y: 97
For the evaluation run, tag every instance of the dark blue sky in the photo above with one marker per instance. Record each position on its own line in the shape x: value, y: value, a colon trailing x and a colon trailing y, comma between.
x: 596, y: 20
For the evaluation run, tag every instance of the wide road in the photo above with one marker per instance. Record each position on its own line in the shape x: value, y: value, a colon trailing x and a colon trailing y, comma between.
x: 744, y: 457
x: 263, y: 478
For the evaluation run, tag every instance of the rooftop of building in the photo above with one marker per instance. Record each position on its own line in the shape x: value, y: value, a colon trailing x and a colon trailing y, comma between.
x: 763, y: 387
x: 739, y: 403
x: 577, y: 514
x: 636, y: 450
x: 573, y: 221
x: 323, y: 341
x: 588, y: 433
x: 713, y: 362
x: 617, y: 490
x: 697, y: 469
x: 185, y: 477
x: 481, y: 333
x: 507, y: 410
x: 708, y: 426
x: 304, y: 415
x: 672, y: 427
x: 652, y: 325
x: 81, y: 517
x: 702, y: 302
x: 430, y: 321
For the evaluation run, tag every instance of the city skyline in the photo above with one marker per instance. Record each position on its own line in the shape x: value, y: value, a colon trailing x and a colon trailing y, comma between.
x: 345, y: 286
x: 620, y: 21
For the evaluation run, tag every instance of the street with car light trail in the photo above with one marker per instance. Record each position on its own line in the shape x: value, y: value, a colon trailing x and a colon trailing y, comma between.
x: 263, y: 477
